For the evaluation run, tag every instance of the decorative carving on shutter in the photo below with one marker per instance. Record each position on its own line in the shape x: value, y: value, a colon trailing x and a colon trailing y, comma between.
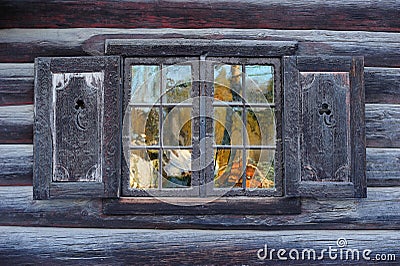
x: 77, y: 123
x: 324, y: 129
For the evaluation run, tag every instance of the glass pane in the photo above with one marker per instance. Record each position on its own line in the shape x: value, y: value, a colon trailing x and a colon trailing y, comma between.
x: 259, y: 84
x: 228, y: 83
x: 228, y: 170
x: 145, y: 84
x: 177, y: 126
x: 177, y: 168
x: 228, y: 125
x: 144, y: 126
x: 177, y: 83
x: 143, y: 169
x: 260, y: 172
x: 260, y: 126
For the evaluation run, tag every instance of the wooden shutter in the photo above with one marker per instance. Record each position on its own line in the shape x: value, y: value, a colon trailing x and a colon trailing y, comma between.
x: 324, y: 128
x: 77, y: 127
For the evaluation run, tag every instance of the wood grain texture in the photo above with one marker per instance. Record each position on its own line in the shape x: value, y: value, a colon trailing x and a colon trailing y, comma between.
x: 383, y: 167
x: 16, y: 124
x: 16, y: 84
x: 18, y: 208
x: 383, y: 125
x: 309, y: 14
x: 61, y: 246
x: 16, y: 165
x: 382, y: 85
x: 23, y: 45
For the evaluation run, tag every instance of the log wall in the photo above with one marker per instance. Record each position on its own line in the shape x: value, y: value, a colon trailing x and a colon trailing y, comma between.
x: 30, y: 29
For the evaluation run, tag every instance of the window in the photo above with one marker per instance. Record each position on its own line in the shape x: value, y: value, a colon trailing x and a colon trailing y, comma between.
x: 190, y: 120
x: 200, y: 127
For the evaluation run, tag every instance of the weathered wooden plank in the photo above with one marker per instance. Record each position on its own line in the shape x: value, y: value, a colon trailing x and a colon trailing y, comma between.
x: 16, y: 124
x: 186, y: 47
x: 383, y: 167
x: 382, y: 85
x: 16, y: 163
x: 383, y: 125
x: 23, y: 45
x: 18, y: 208
x: 16, y: 84
x: 310, y: 14
x: 59, y: 246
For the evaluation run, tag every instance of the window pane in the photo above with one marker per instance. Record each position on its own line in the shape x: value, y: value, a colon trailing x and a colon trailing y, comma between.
x: 259, y: 84
x: 177, y: 168
x: 228, y: 125
x: 260, y: 126
x: 177, y: 126
x: 260, y: 171
x: 145, y: 84
x: 177, y: 83
x: 143, y: 169
x: 228, y: 83
x: 144, y: 126
x: 228, y: 170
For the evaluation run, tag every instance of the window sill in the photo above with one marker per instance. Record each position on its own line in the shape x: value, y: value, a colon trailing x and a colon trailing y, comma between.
x: 202, y: 206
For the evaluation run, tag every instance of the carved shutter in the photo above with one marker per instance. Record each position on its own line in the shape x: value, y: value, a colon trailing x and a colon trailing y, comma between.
x: 324, y: 130
x: 77, y: 127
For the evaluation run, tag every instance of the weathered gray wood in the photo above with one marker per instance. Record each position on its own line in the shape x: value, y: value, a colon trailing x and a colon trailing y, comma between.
x: 382, y: 85
x: 16, y: 163
x: 186, y: 47
x: 383, y: 125
x: 16, y: 124
x: 324, y: 130
x: 23, y: 45
x: 383, y: 167
x: 16, y: 84
x: 59, y: 246
x: 203, y: 206
x: 310, y: 14
x: 17, y: 208
x: 64, y: 124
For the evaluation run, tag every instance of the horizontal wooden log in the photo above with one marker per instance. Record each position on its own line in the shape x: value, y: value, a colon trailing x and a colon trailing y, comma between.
x: 59, y: 246
x: 382, y: 85
x: 382, y: 122
x: 383, y: 167
x: 16, y: 124
x: 23, y: 45
x: 16, y: 163
x: 380, y: 210
x: 308, y: 14
x: 382, y: 125
x: 16, y: 84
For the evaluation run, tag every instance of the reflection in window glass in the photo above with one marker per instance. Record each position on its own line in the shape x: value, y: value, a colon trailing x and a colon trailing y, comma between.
x: 177, y: 126
x: 145, y: 84
x: 260, y: 171
x: 176, y: 168
x: 259, y: 83
x: 143, y: 168
x: 177, y: 81
x: 260, y: 126
x: 228, y: 170
x: 228, y: 125
x: 144, y: 126
x: 228, y: 83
